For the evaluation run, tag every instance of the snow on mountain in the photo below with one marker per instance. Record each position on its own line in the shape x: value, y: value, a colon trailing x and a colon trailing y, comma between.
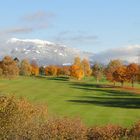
x: 47, y: 53
x: 36, y: 41
x: 44, y: 52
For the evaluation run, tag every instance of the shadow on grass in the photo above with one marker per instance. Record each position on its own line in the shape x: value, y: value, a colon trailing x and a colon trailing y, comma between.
x: 129, y: 103
x: 60, y: 78
x: 110, y: 97
x: 95, y: 85
x: 108, y: 89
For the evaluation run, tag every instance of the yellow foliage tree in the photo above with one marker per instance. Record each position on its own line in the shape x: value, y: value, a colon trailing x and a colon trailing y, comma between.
x: 77, y: 61
x: 9, y: 67
x: 86, y: 67
x: 25, y: 68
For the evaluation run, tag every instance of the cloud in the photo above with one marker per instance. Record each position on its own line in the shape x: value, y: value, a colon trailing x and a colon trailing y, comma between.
x: 76, y: 37
x: 16, y: 30
x: 38, y: 16
x: 84, y: 38
x: 33, y: 22
x: 19, y: 30
x: 128, y: 53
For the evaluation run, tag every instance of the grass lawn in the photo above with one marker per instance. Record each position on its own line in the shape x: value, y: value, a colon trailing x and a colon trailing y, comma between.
x: 94, y: 104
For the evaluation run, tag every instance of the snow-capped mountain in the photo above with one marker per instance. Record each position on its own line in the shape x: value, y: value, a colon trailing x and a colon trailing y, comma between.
x: 44, y: 52
x: 49, y: 53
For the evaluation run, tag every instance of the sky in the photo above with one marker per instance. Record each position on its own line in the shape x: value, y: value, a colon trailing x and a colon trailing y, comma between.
x: 89, y: 25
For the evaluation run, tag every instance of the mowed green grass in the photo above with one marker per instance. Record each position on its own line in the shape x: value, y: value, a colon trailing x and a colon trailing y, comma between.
x: 93, y: 104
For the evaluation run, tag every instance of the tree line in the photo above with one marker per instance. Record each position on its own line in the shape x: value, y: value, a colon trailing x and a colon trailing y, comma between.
x: 114, y: 72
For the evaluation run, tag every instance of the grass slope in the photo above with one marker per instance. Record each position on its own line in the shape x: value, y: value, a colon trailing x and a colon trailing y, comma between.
x: 94, y: 104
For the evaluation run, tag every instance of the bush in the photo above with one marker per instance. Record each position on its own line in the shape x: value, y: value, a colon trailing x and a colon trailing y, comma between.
x: 19, y: 119
x: 109, y: 132
x: 63, y: 129
x: 134, y: 132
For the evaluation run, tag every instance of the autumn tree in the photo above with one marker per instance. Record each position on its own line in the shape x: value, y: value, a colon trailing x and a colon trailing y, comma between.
x: 60, y: 71
x: 25, y: 68
x: 120, y: 75
x: 77, y: 61
x: 97, y: 71
x: 42, y: 70
x: 51, y: 70
x: 66, y: 70
x: 35, y: 68
x: 138, y: 77
x: 1, y: 70
x: 132, y: 73
x: 111, y: 68
x: 76, y: 72
x: 9, y: 67
x: 86, y: 67
x: 76, y: 69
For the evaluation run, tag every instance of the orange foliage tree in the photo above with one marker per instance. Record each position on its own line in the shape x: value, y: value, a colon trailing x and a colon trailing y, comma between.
x: 51, y: 70
x: 60, y: 71
x: 76, y: 69
x: 112, y: 66
x: 132, y: 73
x: 138, y: 77
x: 66, y: 70
x: 120, y: 74
x: 35, y: 68
x: 76, y: 72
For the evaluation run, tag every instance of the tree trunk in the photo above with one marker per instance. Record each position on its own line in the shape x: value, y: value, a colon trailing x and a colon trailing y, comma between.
x: 132, y: 84
x: 122, y: 83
